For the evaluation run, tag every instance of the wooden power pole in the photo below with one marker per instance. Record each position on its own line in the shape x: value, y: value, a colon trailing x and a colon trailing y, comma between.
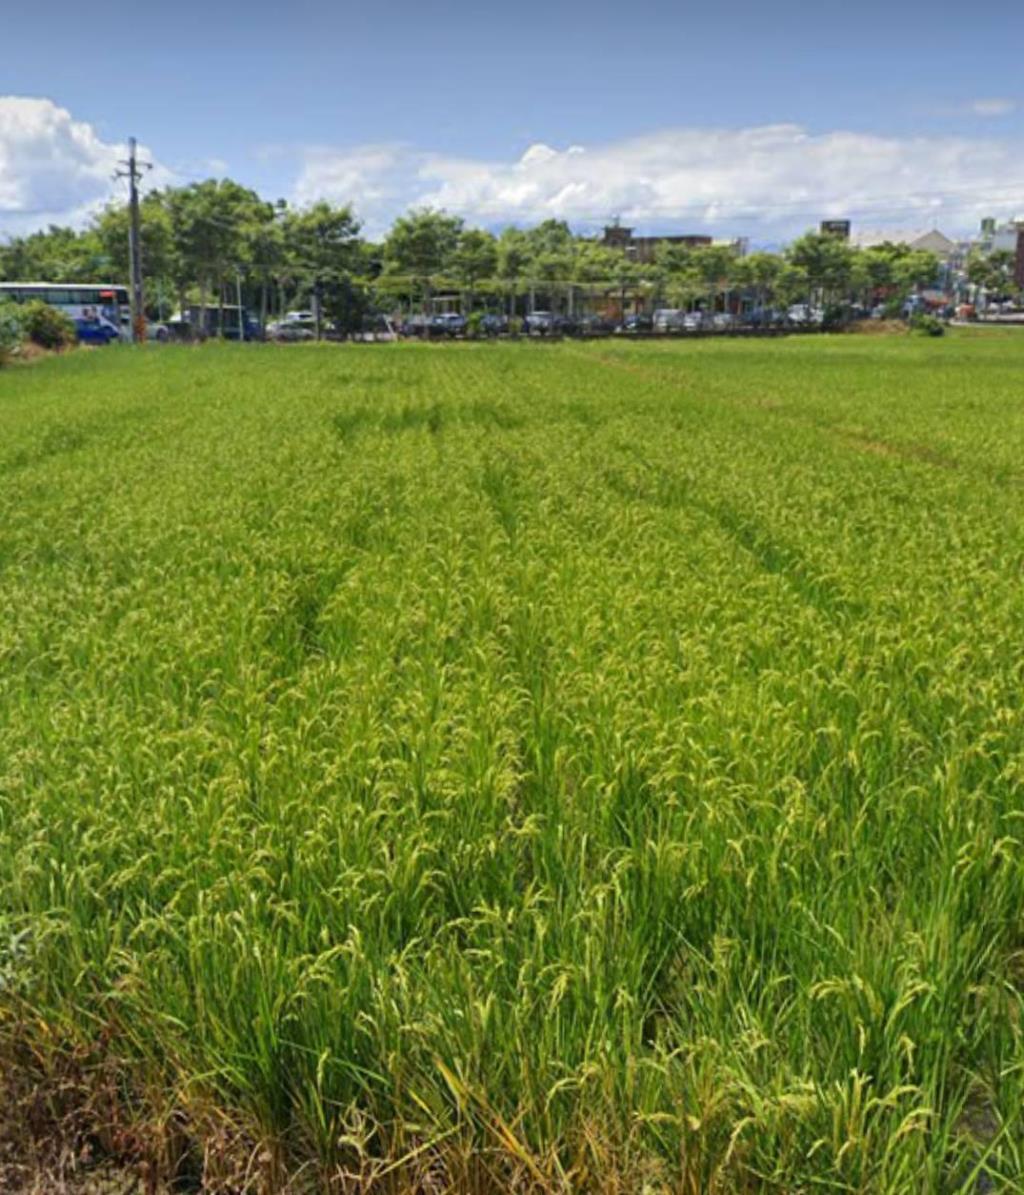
x: 133, y: 174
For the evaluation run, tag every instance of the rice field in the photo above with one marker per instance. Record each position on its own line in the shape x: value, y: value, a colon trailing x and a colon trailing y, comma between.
x: 517, y: 768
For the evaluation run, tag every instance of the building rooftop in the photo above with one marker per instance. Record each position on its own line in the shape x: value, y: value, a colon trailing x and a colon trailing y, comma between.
x: 868, y: 238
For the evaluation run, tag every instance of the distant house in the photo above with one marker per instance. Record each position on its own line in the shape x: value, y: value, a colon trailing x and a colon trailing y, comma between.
x: 928, y: 239
x: 645, y: 249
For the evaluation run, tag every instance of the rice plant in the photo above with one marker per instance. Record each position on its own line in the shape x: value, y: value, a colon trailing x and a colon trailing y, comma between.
x: 518, y: 768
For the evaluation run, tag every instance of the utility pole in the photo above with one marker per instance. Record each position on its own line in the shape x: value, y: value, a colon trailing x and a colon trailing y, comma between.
x: 238, y: 296
x: 133, y: 174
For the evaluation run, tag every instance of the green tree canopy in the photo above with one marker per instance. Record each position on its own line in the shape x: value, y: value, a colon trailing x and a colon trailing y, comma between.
x: 422, y: 244
x: 827, y: 261
x: 474, y: 258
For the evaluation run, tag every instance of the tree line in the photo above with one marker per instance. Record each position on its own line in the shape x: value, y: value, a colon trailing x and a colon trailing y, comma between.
x: 209, y: 241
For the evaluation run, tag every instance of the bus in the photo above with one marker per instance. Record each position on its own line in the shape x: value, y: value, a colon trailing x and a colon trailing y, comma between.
x: 101, y: 302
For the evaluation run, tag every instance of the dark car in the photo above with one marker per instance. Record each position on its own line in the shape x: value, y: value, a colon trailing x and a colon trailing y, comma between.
x: 415, y: 325
x: 638, y: 322
x: 493, y: 323
x: 595, y: 325
x: 94, y: 331
x: 765, y: 317
x: 449, y: 323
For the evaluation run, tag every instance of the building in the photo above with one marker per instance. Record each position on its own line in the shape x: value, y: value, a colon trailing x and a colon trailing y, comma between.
x: 929, y: 239
x: 1007, y: 237
x: 645, y: 249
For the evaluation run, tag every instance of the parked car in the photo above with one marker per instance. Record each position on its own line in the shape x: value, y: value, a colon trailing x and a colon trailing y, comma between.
x: 95, y: 331
x: 448, y: 323
x: 669, y: 319
x: 723, y: 321
x: 639, y: 321
x: 765, y: 317
x: 541, y: 323
x: 494, y: 323
x: 154, y: 329
x: 594, y: 325
x: 804, y: 315
x: 290, y: 331
x: 693, y: 321
x: 415, y: 325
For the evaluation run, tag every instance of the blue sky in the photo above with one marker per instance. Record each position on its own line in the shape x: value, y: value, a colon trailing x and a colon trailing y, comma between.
x: 752, y: 117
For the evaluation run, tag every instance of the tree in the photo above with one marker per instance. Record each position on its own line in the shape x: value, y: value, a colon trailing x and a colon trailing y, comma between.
x: 715, y: 264
x: 760, y: 271
x: 553, y: 269
x: 793, y: 284
x: 474, y: 259
x: 625, y: 276
x: 421, y: 245
x: 673, y: 258
x: 157, y: 241
x: 873, y: 271
x: 550, y: 236
x: 994, y: 272
x: 323, y: 242
x: 207, y: 221
x: 673, y: 272
x: 827, y: 261
x: 914, y: 269
x: 55, y: 254
x: 513, y: 259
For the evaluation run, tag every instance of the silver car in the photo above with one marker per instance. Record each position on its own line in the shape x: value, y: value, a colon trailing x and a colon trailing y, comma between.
x: 669, y: 319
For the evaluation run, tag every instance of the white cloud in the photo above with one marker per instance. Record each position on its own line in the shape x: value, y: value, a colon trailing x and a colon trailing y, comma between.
x: 369, y: 177
x: 986, y: 107
x: 53, y: 168
x: 992, y: 107
x: 767, y: 181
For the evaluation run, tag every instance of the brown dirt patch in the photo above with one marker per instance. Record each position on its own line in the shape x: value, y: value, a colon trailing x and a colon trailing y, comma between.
x: 878, y: 327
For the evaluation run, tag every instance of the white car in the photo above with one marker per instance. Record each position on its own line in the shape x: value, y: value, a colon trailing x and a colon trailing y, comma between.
x: 291, y: 330
x: 154, y: 330
x: 805, y: 314
x: 669, y: 319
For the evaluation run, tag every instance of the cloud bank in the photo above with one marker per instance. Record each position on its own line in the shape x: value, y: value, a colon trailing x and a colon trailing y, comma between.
x: 768, y: 180
x: 53, y: 168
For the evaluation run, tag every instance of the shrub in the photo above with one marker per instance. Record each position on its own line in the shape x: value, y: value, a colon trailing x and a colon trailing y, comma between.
x: 516, y: 325
x: 11, y: 332
x: 474, y: 323
x: 836, y: 315
x: 46, y: 326
x: 927, y: 325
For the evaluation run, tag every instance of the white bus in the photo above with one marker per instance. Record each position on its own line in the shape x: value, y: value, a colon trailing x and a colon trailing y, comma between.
x: 101, y: 301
